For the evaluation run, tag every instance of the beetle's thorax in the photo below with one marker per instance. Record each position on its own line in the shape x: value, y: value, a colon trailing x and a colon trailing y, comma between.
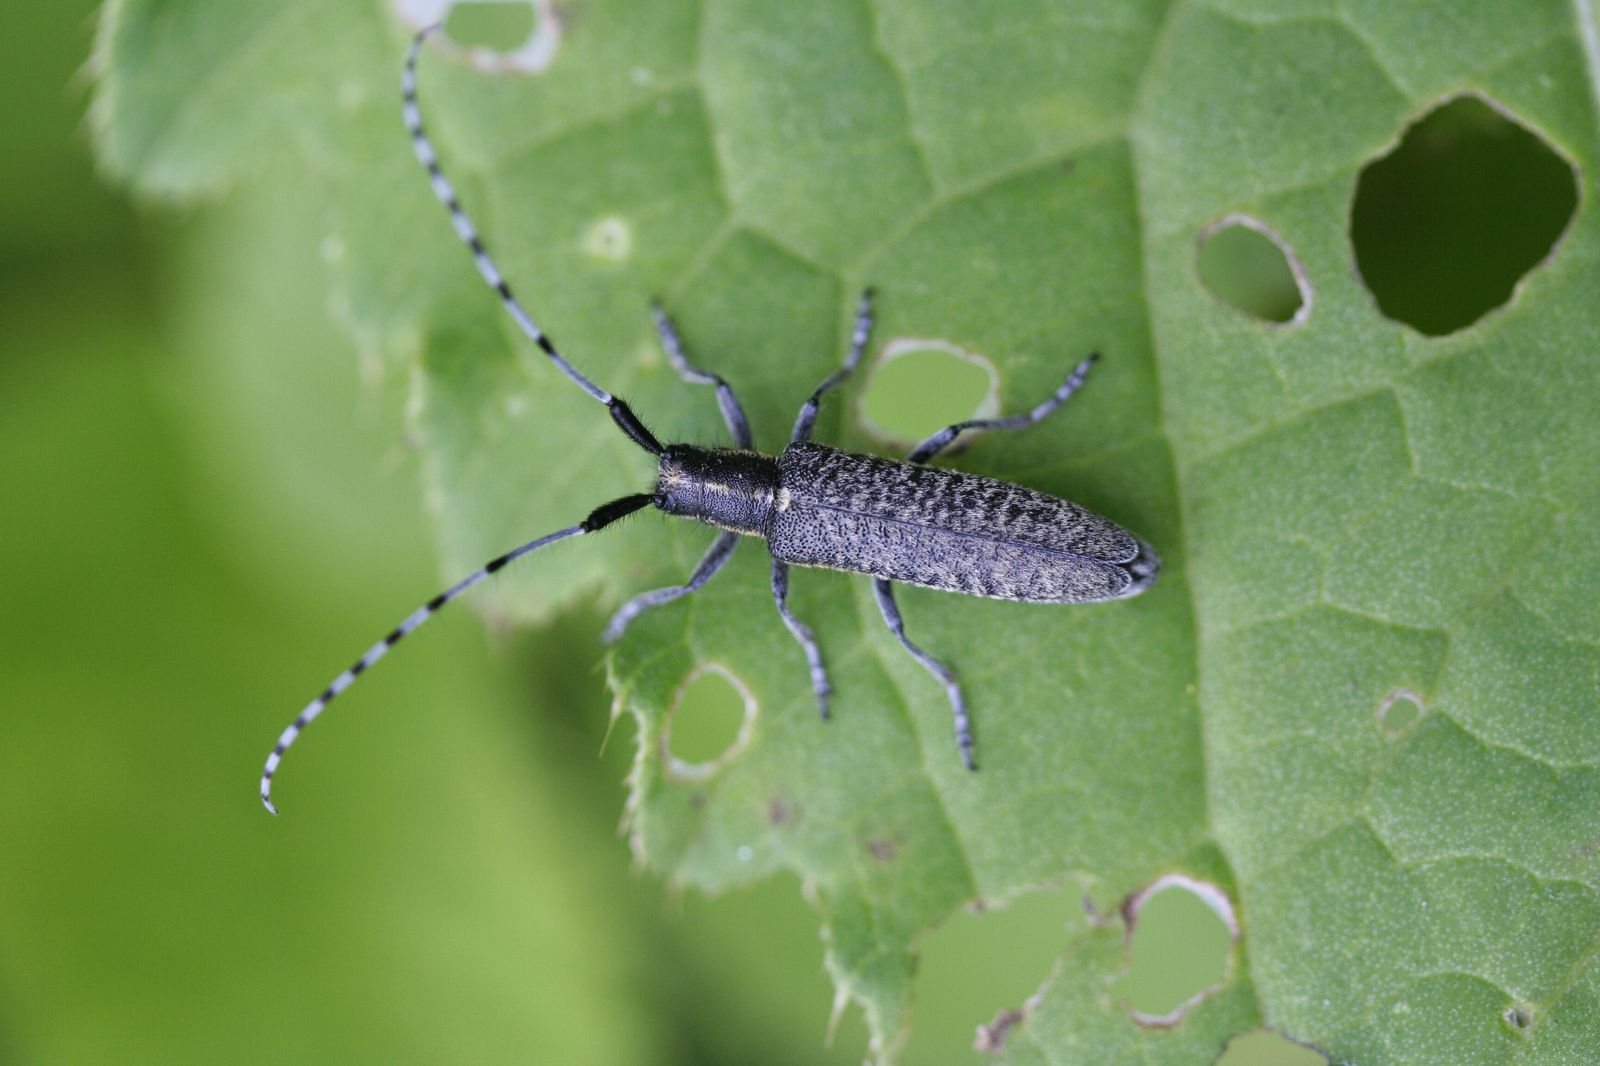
x: 719, y: 486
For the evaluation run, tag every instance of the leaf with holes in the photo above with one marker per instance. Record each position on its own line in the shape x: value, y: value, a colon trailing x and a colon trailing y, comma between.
x: 1354, y: 514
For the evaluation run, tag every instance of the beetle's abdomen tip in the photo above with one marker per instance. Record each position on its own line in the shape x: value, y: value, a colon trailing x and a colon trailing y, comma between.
x: 1143, y: 567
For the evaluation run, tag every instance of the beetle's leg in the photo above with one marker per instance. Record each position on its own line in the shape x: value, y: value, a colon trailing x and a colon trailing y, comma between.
x: 720, y: 552
x: 946, y: 436
x: 802, y: 633
x: 803, y: 424
x: 858, y: 344
x: 958, y: 704
x: 732, y: 413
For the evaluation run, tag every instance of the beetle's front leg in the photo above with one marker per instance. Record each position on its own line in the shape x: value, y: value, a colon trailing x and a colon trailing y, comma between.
x: 720, y: 552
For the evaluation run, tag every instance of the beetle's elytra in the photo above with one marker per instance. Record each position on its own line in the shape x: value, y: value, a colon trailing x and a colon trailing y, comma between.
x: 946, y: 530
x: 894, y: 520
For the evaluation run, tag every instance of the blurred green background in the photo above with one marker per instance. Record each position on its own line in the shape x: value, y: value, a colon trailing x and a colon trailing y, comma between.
x: 210, y: 507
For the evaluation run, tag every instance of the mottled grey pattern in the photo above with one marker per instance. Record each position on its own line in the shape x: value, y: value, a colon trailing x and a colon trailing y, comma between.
x: 948, y: 530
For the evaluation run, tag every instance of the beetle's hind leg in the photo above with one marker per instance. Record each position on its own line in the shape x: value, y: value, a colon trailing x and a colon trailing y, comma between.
x: 807, y: 418
x: 719, y: 553
x: 820, y: 686
x: 884, y: 592
x: 947, y: 436
x: 732, y: 413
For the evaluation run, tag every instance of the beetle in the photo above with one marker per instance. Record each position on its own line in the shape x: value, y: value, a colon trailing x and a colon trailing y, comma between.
x: 897, y: 521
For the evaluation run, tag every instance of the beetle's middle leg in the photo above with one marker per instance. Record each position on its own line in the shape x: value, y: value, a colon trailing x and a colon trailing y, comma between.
x: 804, y: 422
x: 947, y: 436
x: 820, y: 685
x: 884, y: 591
x: 807, y: 418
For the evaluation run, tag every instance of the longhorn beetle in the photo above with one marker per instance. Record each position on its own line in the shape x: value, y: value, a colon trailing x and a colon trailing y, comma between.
x: 815, y: 505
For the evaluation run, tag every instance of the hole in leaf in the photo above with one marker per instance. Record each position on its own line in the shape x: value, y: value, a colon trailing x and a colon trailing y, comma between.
x: 610, y: 239
x: 1517, y: 1018
x: 497, y: 35
x: 920, y: 386
x: 979, y: 967
x: 1448, y: 222
x: 1399, y: 711
x: 1263, y: 1047
x: 497, y: 25
x: 1179, y: 949
x: 1246, y: 265
x: 709, y: 723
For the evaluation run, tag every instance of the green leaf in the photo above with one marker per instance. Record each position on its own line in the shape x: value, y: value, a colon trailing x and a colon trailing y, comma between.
x: 1350, y: 512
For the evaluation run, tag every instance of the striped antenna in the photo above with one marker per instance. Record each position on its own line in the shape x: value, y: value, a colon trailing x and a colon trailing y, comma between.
x: 601, y: 516
x: 429, y: 158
